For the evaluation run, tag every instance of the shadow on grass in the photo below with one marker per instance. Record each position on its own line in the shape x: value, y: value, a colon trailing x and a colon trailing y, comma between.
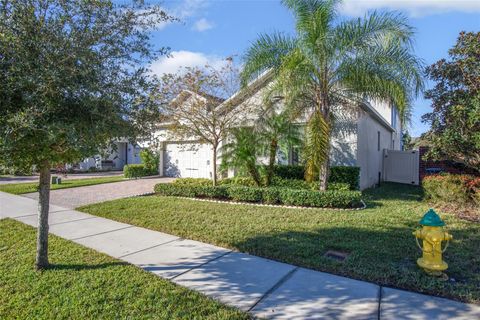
x: 379, y: 254
x: 389, y: 191
x: 79, y: 267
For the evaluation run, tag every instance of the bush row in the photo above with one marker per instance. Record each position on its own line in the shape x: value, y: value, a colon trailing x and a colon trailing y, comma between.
x: 276, y: 182
x: 271, y: 195
x: 137, y: 170
x: 338, y: 174
x: 453, y: 189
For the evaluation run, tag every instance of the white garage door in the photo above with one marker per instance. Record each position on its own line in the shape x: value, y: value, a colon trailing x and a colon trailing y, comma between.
x: 187, y: 160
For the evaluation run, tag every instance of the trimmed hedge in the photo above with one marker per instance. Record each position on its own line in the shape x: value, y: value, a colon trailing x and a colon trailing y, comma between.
x: 308, y: 198
x: 289, y: 171
x: 136, y: 171
x: 326, y: 199
x: 338, y: 186
x: 345, y: 174
x: 271, y: 195
x: 338, y: 174
x: 247, y: 194
x: 276, y: 183
x: 240, y: 181
x: 193, y: 181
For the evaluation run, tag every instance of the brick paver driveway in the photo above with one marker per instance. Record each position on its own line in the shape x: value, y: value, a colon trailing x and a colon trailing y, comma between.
x: 76, y: 197
x: 73, y: 176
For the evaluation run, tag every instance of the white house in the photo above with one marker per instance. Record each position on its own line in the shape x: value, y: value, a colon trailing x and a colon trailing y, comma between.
x: 358, y: 139
x: 114, y: 158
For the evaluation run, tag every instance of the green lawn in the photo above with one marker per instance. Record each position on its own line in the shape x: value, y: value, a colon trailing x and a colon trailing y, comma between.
x: 379, y: 239
x: 19, y: 188
x: 84, y: 284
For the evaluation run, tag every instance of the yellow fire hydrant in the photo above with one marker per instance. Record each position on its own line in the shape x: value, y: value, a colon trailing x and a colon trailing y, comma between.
x: 432, y: 234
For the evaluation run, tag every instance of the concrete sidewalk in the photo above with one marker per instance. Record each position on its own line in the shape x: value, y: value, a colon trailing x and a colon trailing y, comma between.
x: 260, y: 286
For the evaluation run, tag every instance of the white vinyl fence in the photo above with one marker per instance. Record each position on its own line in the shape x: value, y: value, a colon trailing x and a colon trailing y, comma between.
x: 401, y: 166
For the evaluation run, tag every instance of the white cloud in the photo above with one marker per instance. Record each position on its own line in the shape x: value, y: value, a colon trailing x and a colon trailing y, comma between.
x: 414, y: 8
x: 202, y: 25
x: 181, y: 59
x: 190, y: 8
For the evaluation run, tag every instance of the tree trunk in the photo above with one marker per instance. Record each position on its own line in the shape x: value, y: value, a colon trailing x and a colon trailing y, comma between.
x: 252, y: 169
x: 271, y: 161
x: 214, y: 165
x: 324, y: 173
x: 324, y: 169
x: 43, y: 208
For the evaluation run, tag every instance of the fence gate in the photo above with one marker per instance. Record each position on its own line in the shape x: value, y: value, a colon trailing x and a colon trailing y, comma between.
x: 401, y: 166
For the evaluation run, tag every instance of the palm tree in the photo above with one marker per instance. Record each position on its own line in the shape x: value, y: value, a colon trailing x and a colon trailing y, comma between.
x: 275, y: 130
x: 241, y: 153
x: 332, y: 63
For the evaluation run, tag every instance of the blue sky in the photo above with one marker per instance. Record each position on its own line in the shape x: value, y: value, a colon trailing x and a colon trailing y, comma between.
x: 211, y: 30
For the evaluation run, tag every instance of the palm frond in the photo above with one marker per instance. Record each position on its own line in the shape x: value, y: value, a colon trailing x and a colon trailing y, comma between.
x: 266, y: 53
x: 374, y: 28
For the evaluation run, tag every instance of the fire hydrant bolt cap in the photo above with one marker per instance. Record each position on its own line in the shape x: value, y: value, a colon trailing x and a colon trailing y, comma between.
x: 432, y: 219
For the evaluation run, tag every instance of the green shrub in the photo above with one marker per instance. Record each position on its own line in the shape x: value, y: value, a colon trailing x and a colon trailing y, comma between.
x: 339, y: 186
x: 218, y: 192
x: 338, y: 174
x: 307, y: 198
x: 150, y: 160
x: 193, y: 181
x: 135, y: 171
x: 345, y: 174
x: 239, y: 181
x: 271, y: 195
x: 292, y: 183
x: 171, y: 189
x: 289, y: 171
x: 247, y: 194
x: 325, y: 199
x: 453, y: 189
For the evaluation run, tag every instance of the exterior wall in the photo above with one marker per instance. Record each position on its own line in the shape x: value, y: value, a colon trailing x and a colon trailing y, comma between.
x: 369, y: 155
x: 392, y: 116
x: 125, y: 153
x: 383, y: 108
x: 344, y: 140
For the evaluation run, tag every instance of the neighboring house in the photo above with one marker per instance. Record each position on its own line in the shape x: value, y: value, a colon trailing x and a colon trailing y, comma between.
x: 115, y: 158
x: 358, y: 139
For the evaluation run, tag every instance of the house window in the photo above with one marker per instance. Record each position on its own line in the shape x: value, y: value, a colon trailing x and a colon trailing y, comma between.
x: 378, y: 140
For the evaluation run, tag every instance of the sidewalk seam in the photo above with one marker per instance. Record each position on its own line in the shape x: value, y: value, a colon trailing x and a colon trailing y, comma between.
x: 54, y: 224
x: 202, y: 264
x: 274, y: 287
x: 36, y: 213
x: 380, y: 293
x: 96, y: 234
x: 157, y: 245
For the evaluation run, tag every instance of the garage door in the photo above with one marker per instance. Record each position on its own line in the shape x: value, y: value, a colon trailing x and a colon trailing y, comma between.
x: 187, y: 160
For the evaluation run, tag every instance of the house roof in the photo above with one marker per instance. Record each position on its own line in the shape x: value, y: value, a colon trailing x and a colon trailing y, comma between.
x: 259, y: 82
x: 368, y: 108
x: 185, y: 94
x: 252, y: 87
